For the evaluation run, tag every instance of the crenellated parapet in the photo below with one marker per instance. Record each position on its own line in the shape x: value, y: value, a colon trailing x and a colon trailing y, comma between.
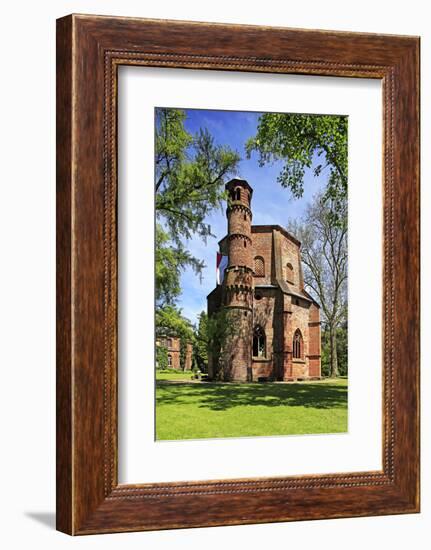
x: 238, y: 206
x: 244, y: 236
x: 239, y: 277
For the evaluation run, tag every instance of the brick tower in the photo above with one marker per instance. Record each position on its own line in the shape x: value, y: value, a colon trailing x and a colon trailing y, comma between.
x: 238, y: 285
x: 267, y: 326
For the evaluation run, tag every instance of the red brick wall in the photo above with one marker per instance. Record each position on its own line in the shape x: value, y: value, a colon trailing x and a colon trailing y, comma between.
x: 277, y: 312
x: 262, y: 368
x: 175, y: 359
x: 239, y: 220
x: 262, y: 246
x: 214, y: 300
x: 314, y: 348
x: 172, y: 345
x: 314, y: 367
x: 290, y: 255
x: 240, y: 251
x: 299, y: 320
x: 236, y: 356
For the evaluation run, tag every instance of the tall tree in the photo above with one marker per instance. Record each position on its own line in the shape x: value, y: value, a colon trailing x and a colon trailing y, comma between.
x: 304, y: 141
x: 201, y: 342
x: 169, y: 321
x: 342, y: 350
x: 190, y: 171
x: 324, y: 257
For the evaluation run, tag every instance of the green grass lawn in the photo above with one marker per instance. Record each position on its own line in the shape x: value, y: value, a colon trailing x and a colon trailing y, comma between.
x: 171, y: 374
x: 202, y: 410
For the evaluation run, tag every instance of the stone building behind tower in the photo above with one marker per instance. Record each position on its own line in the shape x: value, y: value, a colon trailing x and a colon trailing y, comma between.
x: 271, y: 324
x: 172, y: 344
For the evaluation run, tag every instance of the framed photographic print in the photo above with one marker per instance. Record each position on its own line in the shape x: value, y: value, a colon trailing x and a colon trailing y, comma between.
x: 237, y: 274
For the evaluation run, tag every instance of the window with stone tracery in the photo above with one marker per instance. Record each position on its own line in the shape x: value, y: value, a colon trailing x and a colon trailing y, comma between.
x: 259, y: 266
x: 259, y: 342
x: 297, y: 345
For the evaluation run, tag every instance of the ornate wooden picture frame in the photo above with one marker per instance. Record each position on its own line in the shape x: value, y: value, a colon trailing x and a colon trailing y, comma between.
x: 89, y: 51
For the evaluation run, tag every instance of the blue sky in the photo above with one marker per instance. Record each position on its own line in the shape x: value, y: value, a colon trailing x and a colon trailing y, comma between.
x: 271, y: 203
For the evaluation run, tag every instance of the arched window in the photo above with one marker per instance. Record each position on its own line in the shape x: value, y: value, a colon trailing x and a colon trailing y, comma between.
x: 169, y: 360
x: 238, y: 194
x: 259, y: 266
x: 297, y: 345
x: 259, y: 342
x: 289, y: 274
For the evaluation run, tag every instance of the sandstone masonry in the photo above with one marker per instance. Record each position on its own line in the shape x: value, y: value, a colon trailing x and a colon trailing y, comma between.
x: 272, y: 325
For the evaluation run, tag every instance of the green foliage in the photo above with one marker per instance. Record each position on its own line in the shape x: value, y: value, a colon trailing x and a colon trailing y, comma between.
x: 210, y: 335
x: 161, y: 357
x: 170, y: 260
x: 220, y: 326
x: 298, y: 140
x: 190, y: 172
x: 200, y: 350
x: 169, y: 321
x: 342, y: 351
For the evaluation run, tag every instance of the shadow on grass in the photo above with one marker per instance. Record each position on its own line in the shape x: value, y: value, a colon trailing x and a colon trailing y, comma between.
x: 220, y: 397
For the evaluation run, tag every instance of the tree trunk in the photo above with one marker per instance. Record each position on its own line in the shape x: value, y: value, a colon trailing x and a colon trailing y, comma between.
x: 333, y: 351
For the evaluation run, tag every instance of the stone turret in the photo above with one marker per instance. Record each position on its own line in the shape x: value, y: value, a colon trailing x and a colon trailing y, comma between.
x: 238, y: 284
